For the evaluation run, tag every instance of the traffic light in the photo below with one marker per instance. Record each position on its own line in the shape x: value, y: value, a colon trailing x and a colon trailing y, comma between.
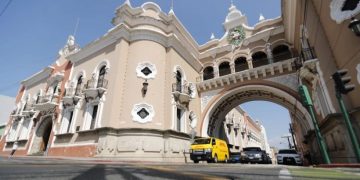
x: 341, y: 81
x: 305, y: 96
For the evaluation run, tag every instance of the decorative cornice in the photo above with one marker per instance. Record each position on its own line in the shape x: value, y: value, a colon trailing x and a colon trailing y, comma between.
x: 43, y: 74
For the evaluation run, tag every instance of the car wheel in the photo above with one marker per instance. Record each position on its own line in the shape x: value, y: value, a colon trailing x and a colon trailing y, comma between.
x: 226, y: 159
x: 208, y: 161
x: 195, y: 161
x: 215, y: 159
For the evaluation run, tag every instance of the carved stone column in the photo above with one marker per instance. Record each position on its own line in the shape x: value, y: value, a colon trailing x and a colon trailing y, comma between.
x: 232, y: 67
x: 269, y: 53
x: 216, y: 71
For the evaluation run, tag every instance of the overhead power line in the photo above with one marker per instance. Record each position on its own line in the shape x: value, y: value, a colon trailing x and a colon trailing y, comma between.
x: 6, y: 6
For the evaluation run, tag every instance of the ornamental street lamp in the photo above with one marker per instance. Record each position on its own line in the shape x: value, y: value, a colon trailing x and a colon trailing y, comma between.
x: 355, y: 26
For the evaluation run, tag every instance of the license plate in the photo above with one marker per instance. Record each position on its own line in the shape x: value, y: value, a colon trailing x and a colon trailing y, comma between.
x: 198, y: 157
x: 251, y: 157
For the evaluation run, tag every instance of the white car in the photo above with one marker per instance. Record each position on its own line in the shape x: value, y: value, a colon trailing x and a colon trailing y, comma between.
x: 289, y: 156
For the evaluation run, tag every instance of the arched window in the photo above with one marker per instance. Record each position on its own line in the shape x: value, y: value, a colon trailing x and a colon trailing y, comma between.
x: 101, y: 79
x: 78, y: 85
x: 178, y: 81
x: 208, y: 73
x: 241, y: 64
x: 281, y: 53
x: 259, y: 59
x: 224, y: 69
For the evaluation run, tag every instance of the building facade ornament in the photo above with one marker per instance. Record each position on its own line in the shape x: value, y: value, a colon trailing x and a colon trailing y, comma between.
x: 142, y: 113
x: 70, y: 47
x: 146, y: 70
x: 341, y: 10
x: 236, y: 36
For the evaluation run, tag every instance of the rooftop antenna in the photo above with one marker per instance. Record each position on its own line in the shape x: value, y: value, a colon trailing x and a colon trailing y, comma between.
x: 76, y: 26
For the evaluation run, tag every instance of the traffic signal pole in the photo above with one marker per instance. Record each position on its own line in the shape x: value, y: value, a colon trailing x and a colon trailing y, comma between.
x: 352, y: 135
x: 307, y: 101
x: 319, y: 137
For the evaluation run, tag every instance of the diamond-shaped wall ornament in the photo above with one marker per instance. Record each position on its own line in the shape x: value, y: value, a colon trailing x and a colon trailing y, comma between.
x: 142, y: 113
x: 146, y: 70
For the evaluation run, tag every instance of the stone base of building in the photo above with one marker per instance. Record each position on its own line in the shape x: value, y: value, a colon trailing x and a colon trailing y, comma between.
x: 143, y: 145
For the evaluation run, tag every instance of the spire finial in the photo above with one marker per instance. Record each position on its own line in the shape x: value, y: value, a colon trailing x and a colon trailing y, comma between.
x: 212, y: 36
x: 232, y: 2
x: 127, y: 2
x: 261, y: 18
x: 76, y: 26
x: 172, y: 7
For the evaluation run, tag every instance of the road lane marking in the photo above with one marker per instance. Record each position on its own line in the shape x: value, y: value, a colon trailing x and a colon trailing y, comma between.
x: 284, y: 174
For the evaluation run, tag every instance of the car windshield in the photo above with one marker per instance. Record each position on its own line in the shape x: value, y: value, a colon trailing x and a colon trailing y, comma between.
x: 287, y: 151
x: 235, y: 154
x: 251, y: 149
x: 202, y: 141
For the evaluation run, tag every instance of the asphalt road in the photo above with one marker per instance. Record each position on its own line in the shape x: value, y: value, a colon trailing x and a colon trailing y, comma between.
x: 34, y: 168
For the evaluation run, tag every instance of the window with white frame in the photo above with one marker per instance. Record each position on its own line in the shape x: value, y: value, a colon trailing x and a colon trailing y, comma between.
x: 180, y: 124
x: 91, y: 117
x: 66, y: 121
x: 12, y: 133
x: 25, y: 129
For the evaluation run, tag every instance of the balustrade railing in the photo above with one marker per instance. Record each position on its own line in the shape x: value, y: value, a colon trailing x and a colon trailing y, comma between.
x: 101, y: 83
x: 308, y: 54
x: 182, y: 88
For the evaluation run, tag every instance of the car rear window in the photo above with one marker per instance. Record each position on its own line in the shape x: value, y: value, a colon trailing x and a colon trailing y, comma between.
x: 202, y: 141
x: 252, y: 149
x: 287, y: 151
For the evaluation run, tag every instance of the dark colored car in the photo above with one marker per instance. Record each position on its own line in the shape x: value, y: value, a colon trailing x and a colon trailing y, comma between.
x: 252, y: 155
x: 266, y: 158
x: 235, y: 157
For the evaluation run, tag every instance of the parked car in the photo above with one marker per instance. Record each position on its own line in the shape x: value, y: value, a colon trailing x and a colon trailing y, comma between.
x: 252, y: 155
x: 289, y: 156
x: 266, y: 158
x: 235, y: 157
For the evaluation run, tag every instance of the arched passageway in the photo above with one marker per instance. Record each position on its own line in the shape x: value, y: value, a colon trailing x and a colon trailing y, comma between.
x: 216, y: 110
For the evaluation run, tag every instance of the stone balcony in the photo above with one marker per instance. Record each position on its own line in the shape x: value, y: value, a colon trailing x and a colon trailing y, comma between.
x: 28, y: 110
x: 181, y: 93
x: 261, y: 72
x: 95, y: 88
x: 46, y: 102
x: 72, y: 96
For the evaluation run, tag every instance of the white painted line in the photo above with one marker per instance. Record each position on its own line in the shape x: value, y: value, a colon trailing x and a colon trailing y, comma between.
x: 284, y: 174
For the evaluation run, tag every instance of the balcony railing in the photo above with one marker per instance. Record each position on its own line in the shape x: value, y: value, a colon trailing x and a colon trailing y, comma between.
x: 101, y: 83
x: 47, y: 99
x: 73, y: 91
x: 95, y: 88
x: 28, y: 107
x: 182, y: 93
x: 182, y: 88
x: 308, y: 54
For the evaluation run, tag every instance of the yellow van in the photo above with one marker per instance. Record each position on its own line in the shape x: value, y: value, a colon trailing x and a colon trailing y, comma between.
x: 209, y: 149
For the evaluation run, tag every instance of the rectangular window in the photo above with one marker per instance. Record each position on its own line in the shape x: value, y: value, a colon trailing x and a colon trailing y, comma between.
x: 93, y: 117
x: 25, y: 129
x: 179, y: 119
x: 12, y: 133
x: 66, y: 122
x: 70, y: 120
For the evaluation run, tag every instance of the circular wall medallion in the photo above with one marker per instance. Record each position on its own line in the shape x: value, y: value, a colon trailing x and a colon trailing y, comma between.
x: 341, y: 10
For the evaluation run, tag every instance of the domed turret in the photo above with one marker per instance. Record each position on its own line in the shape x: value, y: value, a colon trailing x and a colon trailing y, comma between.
x: 234, y: 18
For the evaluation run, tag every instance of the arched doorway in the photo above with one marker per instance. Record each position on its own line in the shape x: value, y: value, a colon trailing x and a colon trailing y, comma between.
x: 41, y: 137
x: 216, y: 110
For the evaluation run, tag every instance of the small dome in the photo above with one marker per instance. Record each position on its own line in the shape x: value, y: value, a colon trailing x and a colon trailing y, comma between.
x: 261, y: 18
x: 234, y: 13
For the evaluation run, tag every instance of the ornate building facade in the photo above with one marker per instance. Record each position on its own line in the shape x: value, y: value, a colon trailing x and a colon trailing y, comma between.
x: 145, y: 88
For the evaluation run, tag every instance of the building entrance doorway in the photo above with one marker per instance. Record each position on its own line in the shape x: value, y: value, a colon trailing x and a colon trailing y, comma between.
x: 41, y: 137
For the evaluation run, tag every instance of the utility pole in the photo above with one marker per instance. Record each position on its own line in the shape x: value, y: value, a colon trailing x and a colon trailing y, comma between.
x: 304, y: 93
x: 291, y: 129
x: 342, y: 87
x: 288, y: 138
